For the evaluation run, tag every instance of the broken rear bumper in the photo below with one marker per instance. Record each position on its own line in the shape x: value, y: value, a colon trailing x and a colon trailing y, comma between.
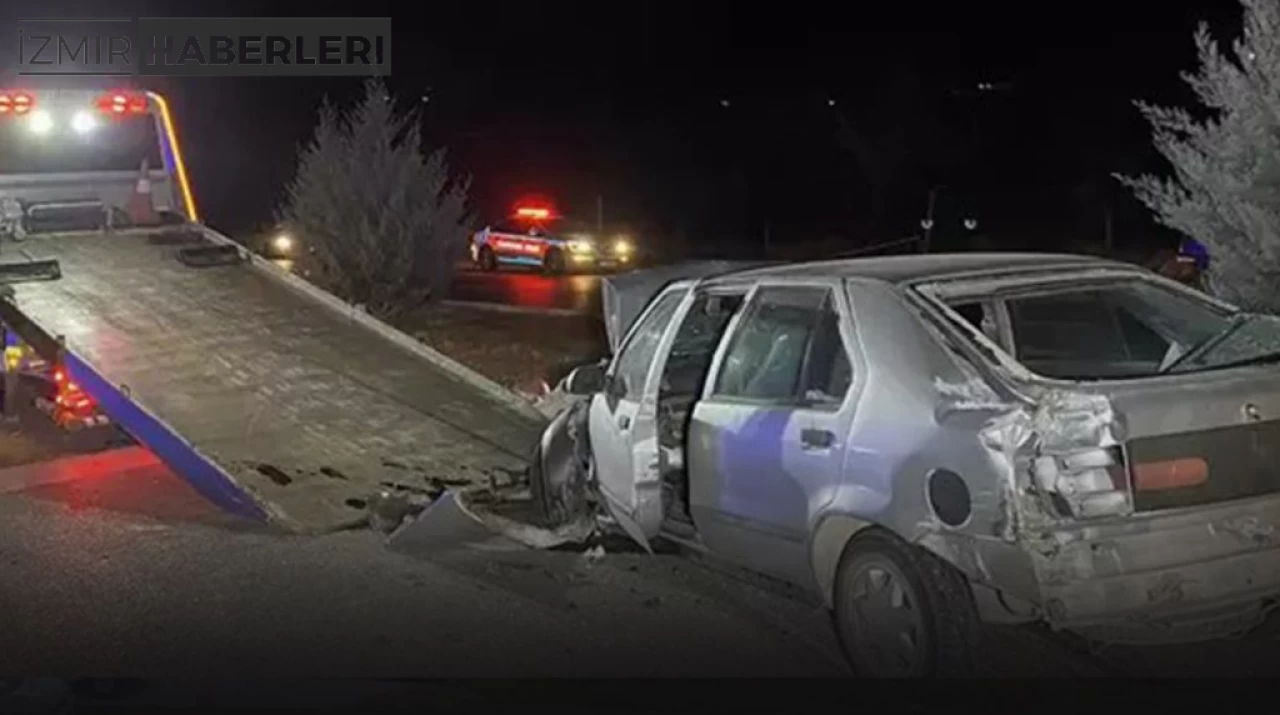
x: 1165, y: 570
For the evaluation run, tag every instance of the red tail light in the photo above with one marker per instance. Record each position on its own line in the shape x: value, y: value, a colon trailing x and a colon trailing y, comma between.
x: 1170, y: 474
x: 70, y: 396
x: 15, y: 102
x: 121, y: 103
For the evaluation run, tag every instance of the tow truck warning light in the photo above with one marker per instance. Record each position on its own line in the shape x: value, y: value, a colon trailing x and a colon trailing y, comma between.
x: 14, y: 102
x: 119, y: 103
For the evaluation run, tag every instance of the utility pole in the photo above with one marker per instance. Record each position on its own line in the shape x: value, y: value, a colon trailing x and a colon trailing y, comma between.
x: 927, y: 223
x: 600, y: 213
x: 1108, y: 235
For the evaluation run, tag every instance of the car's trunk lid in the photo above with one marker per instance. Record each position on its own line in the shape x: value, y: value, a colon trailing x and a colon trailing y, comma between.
x: 1201, y: 438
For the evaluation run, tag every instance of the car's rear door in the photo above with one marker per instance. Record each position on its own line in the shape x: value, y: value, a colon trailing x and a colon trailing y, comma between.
x: 766, y: 441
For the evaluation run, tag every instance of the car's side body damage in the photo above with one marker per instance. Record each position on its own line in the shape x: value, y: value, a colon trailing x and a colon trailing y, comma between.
x: 1045, y: 493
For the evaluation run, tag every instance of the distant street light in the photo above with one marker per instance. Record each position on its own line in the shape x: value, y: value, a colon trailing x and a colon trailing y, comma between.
x: 831, y: 102
x: 724, y: 103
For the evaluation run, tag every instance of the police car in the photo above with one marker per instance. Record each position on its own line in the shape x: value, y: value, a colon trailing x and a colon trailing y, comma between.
x: 537, y: 237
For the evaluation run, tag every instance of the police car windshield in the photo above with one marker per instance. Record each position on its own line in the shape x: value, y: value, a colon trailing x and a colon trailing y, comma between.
x: 520, y: 228
x: 556, y: 227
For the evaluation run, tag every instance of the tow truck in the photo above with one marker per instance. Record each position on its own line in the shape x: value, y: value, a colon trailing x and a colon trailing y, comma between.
x: 275, y: 399
x: 541, y: 237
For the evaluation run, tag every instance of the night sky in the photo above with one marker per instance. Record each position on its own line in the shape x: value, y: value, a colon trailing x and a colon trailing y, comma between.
x: 839, y: 120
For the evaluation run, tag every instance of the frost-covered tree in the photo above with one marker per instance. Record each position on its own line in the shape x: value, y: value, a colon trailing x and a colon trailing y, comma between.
x: 383, y: 224
x: 1225, y: 191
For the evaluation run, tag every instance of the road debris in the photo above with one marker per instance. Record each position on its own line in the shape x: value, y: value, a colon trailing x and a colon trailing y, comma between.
x: 593, y: 554
x: 388, y: 510
x: 462, y: 519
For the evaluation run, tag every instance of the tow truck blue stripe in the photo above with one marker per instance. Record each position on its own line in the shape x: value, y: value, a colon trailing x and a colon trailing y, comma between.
x: 182, y: 457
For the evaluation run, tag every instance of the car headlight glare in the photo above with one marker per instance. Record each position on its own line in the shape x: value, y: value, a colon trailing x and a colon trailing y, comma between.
x: 40, y: 122
x: 83, y: 122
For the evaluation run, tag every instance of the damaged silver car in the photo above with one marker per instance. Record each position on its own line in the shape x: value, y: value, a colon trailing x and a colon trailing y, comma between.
x: 932, y: 442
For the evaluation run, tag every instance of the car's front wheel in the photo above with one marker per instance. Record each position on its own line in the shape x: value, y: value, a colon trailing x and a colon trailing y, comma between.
x: 488, y: 261
x: 554, y: 262
x: 901, y: 611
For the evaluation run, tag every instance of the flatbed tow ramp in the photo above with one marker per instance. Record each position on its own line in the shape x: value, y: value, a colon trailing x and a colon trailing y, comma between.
x: 271, y: 397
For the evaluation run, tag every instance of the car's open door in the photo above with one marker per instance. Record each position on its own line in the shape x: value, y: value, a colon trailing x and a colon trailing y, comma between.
x: 623, y: 418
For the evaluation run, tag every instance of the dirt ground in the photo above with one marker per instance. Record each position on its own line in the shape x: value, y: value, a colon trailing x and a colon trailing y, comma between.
x: 518, y: 350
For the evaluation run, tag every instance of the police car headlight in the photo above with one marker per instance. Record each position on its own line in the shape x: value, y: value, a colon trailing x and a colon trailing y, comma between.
x: 622, y: 246
x: 580, y: 246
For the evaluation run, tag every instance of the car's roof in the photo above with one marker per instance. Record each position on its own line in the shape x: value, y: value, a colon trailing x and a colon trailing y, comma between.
x: 910, y: 268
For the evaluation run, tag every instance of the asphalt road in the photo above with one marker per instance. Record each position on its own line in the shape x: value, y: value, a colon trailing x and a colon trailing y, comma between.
x: 135, y: 575
x: 528, y: 288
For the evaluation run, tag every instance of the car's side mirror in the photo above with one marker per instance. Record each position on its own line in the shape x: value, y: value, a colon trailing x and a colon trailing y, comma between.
x: 585, y: 380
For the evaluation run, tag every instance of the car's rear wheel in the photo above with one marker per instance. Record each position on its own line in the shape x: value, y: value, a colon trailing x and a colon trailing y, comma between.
x: 553, y: 263
x: 488, y: 261
x: 901, y: 611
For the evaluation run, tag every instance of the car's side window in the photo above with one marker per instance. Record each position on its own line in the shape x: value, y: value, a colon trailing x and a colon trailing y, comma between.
x: 632, y: 366
x: 787, y: 347
x: 827, y: 372
x: 1084, y: 333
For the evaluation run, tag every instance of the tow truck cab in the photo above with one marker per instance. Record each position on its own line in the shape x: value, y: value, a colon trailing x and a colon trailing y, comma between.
x: 73, y: 155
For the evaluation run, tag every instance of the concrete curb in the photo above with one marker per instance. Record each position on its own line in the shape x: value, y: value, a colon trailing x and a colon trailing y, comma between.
x: 519, y: 309
x: 462, y: 372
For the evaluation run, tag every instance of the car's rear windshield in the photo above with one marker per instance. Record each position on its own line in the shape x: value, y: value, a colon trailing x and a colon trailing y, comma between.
x: 1116, y: 330
x: 76, y: 141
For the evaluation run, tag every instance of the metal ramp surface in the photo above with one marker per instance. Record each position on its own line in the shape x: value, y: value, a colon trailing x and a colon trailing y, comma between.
x: 269, y: 400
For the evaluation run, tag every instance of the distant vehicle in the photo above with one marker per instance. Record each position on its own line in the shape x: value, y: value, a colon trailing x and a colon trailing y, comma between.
x: 538, y: 238
x: 279, y: 243
x: 932, y: 442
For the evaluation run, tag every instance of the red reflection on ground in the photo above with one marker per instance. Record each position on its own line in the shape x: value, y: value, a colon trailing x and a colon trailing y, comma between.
x: 533, y: 291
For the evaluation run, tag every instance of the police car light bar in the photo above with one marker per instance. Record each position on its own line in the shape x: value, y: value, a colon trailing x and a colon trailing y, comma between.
x: 533, y: 213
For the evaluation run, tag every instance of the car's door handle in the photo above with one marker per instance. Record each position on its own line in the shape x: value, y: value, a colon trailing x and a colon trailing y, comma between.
x: 624, y: 422
x: 817, y: 438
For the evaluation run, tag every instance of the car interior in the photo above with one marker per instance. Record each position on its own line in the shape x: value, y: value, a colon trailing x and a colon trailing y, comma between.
x: 682, y: 379
x: 785, y: 351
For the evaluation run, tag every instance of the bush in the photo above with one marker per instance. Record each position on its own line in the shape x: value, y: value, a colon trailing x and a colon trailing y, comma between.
x: 382, y: 225
x: 1225, y: 191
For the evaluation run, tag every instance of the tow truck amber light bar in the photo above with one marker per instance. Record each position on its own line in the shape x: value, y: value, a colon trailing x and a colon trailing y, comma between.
x: 15, y: 102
